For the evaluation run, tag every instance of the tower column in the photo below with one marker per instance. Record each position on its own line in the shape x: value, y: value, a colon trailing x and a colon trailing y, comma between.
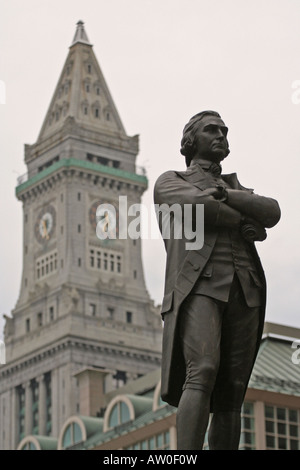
x: 15, y: 410
x: 28, y: 408
x: 56, y: 402
x: 42, y: 405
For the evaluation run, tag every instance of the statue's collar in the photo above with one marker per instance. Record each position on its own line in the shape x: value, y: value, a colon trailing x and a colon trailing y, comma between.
x: 205, y: 164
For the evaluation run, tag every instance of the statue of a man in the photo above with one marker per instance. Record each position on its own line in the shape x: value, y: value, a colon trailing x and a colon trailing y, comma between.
x: 214, y: 300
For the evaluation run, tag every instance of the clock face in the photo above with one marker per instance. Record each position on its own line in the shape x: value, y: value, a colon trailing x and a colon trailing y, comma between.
x: 45, y: 224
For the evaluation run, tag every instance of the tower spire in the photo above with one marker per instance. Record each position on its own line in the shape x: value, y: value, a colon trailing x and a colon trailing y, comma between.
x: 80, y: 34
x: 82, y: 93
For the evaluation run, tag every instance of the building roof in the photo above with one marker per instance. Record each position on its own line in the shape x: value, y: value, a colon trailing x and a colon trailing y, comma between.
x: 140, y: 422
x: 277, y: 369
x: 274, y: 369
x: 73, y: 97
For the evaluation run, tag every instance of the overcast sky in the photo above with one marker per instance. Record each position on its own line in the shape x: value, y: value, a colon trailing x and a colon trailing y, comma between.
x: 164, y: 61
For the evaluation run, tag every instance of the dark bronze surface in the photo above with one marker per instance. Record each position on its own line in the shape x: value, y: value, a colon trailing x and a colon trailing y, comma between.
x: 214, y: 298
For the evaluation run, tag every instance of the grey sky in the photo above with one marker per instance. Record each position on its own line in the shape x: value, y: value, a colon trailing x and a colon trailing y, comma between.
x: 165, y: 60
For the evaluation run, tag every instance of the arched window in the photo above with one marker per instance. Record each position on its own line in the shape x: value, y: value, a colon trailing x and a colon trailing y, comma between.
x: 119, y: 414
x: 29, y: 446
x: 72, y: 435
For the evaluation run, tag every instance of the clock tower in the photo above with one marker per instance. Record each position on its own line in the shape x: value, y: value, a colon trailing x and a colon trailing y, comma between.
x: 83, y: 304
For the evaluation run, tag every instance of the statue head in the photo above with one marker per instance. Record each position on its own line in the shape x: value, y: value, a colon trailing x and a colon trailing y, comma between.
x: 205, y: 137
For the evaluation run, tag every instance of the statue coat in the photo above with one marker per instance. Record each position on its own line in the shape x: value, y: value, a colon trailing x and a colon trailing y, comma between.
x: 183, y: 267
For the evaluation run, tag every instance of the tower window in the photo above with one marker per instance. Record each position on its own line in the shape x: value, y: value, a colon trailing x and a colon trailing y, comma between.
x: 98, y: 90
x: 79, y: 228
x: 87, y: 87
x: 51, y: 313
x: 40, y: 319
x: 92, y: 309
x: 105, y: 260
x: 112, y: 262
x: 89, y: 68
x: 85, y: 110
x: 46, y: 265
x: 27, y: 325
x: 128, y: 317
x: 134, y: 274
x: 111, y: 312
x: 107, y: 116
x: 96, y: 112
x: 92, y: 259
x: 79, y: 262
x: 78, y: 196
x: 118, y: 264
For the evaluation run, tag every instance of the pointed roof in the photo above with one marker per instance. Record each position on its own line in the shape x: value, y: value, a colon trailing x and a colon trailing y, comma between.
x: 82, y: 93
x: 80, y: 34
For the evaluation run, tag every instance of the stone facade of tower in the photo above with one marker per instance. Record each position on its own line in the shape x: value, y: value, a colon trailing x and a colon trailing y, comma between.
x: 83, y: 302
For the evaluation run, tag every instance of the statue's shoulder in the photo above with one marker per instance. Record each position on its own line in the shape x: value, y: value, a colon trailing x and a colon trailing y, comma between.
x: 168, y: 175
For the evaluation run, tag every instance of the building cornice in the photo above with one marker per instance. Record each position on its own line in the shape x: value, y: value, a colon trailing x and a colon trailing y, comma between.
x: 74, y: 130
x: 39, y: 181
x: 73, y: 343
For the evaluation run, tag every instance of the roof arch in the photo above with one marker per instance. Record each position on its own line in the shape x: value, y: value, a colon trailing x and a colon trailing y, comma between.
x: 37, y: 443
x: 88, y: 426
x: 137, y: 405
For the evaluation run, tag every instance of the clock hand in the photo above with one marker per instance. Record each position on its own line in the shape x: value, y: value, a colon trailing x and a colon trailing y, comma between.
x: 105, y: 226
x: 45, y: 234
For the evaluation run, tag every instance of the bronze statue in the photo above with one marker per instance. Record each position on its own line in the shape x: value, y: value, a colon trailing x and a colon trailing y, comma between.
x: 214, y: 299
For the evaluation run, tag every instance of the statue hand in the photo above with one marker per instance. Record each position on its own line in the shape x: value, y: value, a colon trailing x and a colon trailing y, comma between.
x: 218, y: 192
x: 252, y: 230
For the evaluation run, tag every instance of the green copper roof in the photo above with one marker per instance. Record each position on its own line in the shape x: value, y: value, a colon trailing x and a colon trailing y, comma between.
x: 274, y: 369
x: 45, y: 442
x: 140, y: 422
x: 92, y: 425
x: 85, y: 165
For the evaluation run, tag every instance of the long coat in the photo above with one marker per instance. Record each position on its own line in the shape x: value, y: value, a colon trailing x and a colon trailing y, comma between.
x: 183, y: 267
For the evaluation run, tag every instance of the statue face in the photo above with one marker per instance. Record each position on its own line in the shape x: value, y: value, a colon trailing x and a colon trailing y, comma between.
x: 210, y: 139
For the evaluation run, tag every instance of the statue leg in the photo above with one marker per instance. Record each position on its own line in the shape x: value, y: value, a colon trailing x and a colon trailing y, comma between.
x: 224, y: 430
x: 237, y: 353
x: 192, y: 419
x: 199, y: 328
